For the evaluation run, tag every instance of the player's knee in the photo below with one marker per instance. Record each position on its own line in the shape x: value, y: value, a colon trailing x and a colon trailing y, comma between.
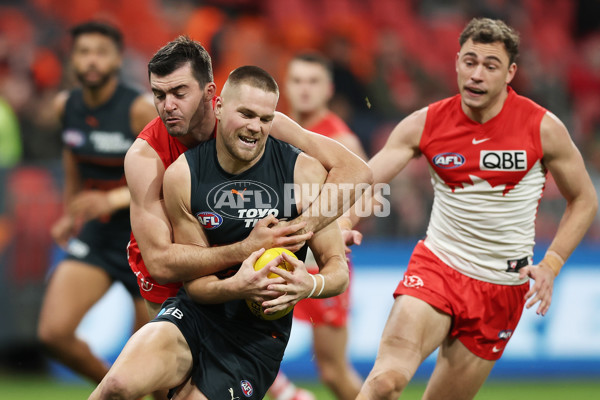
x: 388, y: 384
x: 52, y: 337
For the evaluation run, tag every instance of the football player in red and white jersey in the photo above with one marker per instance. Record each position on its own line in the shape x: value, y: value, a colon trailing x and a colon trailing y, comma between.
x: 467, y: 282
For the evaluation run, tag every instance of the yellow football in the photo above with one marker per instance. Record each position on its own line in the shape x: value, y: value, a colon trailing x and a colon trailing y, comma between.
x: 263, y: 260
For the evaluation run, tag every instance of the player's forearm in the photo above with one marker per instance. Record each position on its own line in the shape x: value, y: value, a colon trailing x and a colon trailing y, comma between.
x: 577, y: 218
x: 212, y: 290
x: 333, y: 278
x: 182, y: 263
x: 342, y: 188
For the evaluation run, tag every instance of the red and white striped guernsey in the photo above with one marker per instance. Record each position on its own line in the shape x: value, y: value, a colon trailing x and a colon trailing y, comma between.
x: 488, y: 180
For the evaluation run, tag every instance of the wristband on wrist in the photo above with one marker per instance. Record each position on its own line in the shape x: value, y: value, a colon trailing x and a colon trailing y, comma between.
x: 553, y: 260
x: 314, y: 286
x: 323, y: 286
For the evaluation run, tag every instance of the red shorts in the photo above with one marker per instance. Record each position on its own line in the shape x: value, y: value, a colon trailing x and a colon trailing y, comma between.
x: 332, y: 311
x: 149, y: 288
x: 484, y: 315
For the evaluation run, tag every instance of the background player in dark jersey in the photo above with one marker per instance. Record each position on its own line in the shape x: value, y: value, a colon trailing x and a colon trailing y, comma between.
x: 308, y: 89
x: 182, y: 81
x: 229, y: 351
x: 489, y: 151
x: 100, y: 121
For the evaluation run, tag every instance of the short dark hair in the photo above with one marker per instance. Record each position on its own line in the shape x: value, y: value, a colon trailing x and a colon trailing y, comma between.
x: 176, y: 53
x: 486, y: 30
x: 102, y: 28
x: 315, y: 58
x: 255, y: 77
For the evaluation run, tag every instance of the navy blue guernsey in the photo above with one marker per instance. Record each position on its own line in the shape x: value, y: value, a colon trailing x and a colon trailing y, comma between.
x: 228, y: 206
x: 99, y: 138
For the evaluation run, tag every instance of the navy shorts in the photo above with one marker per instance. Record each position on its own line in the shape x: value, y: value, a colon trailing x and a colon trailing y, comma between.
x: 230, y: 359
x: 104, y: 245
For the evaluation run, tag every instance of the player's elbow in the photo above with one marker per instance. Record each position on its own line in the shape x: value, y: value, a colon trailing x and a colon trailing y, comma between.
x: 159, y: 269
x: 594, y: 203
x: 587, y: 202
x: 594, y: 209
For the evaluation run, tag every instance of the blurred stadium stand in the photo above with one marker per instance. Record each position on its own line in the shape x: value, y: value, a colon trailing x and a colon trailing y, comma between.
x: 390, y: 57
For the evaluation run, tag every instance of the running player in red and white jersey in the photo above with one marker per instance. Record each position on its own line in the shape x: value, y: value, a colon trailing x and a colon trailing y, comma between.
x: 182, y: 82
x: 489, y: 150
x: 308, y: 89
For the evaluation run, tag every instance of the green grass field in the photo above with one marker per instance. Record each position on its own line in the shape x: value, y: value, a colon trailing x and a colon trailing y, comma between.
x: 43, y: 388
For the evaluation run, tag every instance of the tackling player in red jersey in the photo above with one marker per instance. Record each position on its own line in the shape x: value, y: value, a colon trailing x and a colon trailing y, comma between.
x: 182, y: 82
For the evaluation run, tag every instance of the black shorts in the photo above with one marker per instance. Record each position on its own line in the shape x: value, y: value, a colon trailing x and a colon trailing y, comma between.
x: 230, y: 360
x: 105, y: 246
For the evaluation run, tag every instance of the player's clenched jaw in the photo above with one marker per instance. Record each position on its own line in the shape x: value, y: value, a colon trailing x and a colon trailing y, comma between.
x: 178, y: 97
x: 483, y: 72
x: 245, y: 115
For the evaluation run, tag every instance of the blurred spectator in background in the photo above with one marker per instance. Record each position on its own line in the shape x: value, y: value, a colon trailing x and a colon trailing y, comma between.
x: 100, y: 121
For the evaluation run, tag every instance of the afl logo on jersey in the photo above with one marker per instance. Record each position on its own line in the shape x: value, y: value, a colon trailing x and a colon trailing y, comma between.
x: 247, y: 388
x: 243, y: 199
x: 448, y: 160
x: 209, y: 220
x: 73, y: 138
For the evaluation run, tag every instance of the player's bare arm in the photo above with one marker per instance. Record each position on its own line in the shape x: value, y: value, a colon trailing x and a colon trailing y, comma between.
x: 327, y: 246
x: 564, y: 162
x: 344, y: 166
x: 352, y: 143
x: 401, y: 147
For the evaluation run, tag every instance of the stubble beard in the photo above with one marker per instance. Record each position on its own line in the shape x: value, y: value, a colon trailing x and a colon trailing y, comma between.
x: 98, y: 84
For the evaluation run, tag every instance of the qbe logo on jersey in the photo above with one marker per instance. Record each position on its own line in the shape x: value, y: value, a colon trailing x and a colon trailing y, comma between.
x: 503, y: 160
x: 246, y: 200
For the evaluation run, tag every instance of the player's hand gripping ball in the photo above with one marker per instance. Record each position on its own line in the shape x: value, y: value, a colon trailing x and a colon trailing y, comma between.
x: 263, y: 260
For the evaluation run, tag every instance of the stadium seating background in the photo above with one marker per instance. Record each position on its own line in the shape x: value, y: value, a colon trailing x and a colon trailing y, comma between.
x: 390, y: 57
